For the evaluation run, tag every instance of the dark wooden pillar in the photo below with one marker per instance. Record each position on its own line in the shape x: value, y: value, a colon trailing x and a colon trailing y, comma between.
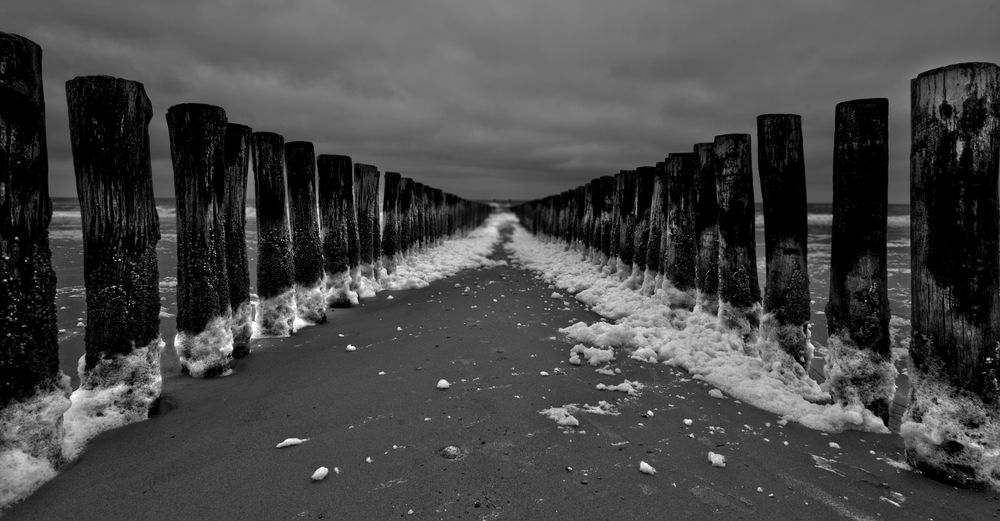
x: 390, y: 232
x: 951, y: 425
x: 204, y: 341
x: 275, y: 259
x: 706, y: 229
x: 739, y: 291
x: 783, y: 190
x: 310, y: 291
x: 29, y: 344
x: 644, y: 177
x: 859, y: 366
x: 237, y: 152
x: 337, y: 220
x: 679, y: 246
x: 366, y: 197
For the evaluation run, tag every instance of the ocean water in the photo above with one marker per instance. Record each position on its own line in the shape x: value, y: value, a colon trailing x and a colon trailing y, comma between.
x: 67, y: 256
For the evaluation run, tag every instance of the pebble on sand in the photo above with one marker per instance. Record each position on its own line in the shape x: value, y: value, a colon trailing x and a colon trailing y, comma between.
x: 320, y: 474
x: 646, y: 468
x: 717, y: 460
x: 443, y: 384
x: 351, y: 347
x: 715, y: 393
x: 290, y: 442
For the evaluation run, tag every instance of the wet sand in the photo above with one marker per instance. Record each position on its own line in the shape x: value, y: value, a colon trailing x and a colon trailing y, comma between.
x: 208, y: 453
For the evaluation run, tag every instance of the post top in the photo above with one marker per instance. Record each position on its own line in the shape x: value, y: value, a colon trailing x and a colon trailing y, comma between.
x: 958, y: 66
x: 196, y: 107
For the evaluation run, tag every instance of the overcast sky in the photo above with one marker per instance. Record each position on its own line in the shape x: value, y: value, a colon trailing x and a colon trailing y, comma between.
x: 506, y: 98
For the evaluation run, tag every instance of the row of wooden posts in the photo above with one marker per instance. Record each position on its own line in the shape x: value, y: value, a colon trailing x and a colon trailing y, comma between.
x: 323, y: 223
x: 690, y: 219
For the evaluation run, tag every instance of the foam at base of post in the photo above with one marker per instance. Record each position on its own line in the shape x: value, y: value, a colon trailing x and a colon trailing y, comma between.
x: 209, y: 353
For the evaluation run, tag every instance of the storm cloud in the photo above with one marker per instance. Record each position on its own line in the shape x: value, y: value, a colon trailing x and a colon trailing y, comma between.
x: 506, y: 98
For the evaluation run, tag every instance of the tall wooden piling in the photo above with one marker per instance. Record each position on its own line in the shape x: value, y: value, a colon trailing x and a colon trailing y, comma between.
x: 366, y: 195
x: 237, y: 154
x: 859, y: 366
x: 706, y: 229
x: 645, y: 176
x: 29, y: 346
x: 204, y: 341
x: 275, y: 258
x: 338, y: 225
x: 657, y: 223
x: 310, y: 292
x: 783, y: 193
x: 108, y: 122
x: 608, y: 237
x: 405, y: 215
x: 679, y: 246
x: 951, y: 424
x: 390, y: 232
x: 739, y: 291
x: 625, y: 185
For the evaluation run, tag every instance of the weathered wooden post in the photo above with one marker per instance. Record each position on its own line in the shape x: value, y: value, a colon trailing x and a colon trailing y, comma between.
x: 679, y: 243
x: 608, y: 239
x: 390, y: 232
x: 204, y: 341
x: 626, y: 183
x: 644, y: 176
x: 108, y: 123
x: 859, y: 368
x: 657, y: 225
x: 275, y: 260
x: 739, y: 291
x: 32, y: 389
x: 366, y: 197
x: 783, y: 192
x: 950, y: 428
x: 337, y: 218
x: 310, y: 290
x: 237, y: 153
x: 706, y: 229
x: 405, y: 215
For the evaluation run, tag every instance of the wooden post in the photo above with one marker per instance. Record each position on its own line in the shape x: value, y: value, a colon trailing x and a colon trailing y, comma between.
x: 859, y: 368
x: 608, y: 239
x: 204, y: 341
x: 950, y: 428
x: 644, y: 175
x: 679, y: 244
x: 337, y: 218
x: 29, y: 344
x: 109, y: 133
x: 405, y: 215
x: 366, y: 196
x: 657, y: 226
x: 390, y: 233
x: 706, y: 229
x: 275, y: 259
x: 237, y: 153
x: 739, y: 291
x: 626, y: 182
x: 783, y: 191
x: 310, y: 290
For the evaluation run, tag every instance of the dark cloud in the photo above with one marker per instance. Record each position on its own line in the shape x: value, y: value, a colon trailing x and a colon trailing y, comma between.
x: 512, y: 98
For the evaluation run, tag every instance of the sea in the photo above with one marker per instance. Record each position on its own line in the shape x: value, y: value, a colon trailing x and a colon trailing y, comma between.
x: 66, y: 239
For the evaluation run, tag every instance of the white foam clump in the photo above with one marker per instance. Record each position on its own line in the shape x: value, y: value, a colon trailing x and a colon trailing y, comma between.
x: 320, y: 473
x: 948, y: 429
x: 443, y: 384
x: 857, y: 376
x: 451, y: 256
x: 646, y: 468
x: 594, y: 356
x: 561, y: 416
x: 630, y: 387
x: 660, y: 331
x: 208, y: 353
x: 275, y: 316
x: 31, y: 431
x: 291, y: 442
x: 338, y: 289
x: 241, y: 323
x: 115, y: 392
x: 311, y: 303
x: 351, y: 347
x: 717, y: 460
x: 364, y: 280
x: 717, y: 394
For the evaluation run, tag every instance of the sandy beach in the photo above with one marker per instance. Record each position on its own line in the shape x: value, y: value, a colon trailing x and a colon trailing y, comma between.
x: 208, y: 451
